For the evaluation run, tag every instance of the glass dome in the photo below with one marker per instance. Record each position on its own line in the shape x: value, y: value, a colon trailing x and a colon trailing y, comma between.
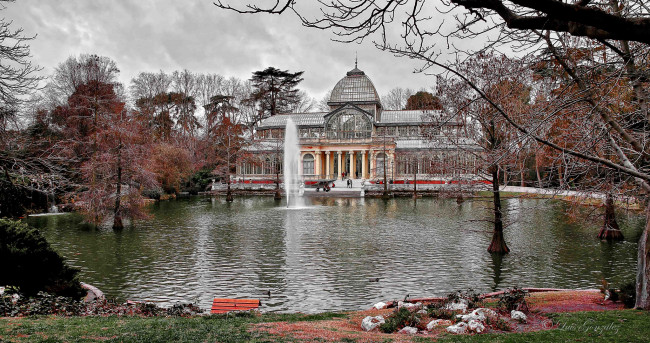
x: 348, y: 124
x: 354, y: 87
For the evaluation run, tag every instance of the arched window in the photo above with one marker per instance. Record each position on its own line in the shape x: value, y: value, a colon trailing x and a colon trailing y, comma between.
x: 348, y: 125
x: 308, y: 164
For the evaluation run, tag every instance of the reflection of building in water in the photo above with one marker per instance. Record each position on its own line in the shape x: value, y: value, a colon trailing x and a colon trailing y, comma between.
x: 361, y: 139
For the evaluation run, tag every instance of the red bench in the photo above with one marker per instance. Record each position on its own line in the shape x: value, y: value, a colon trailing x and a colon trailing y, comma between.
x: 220, y: 305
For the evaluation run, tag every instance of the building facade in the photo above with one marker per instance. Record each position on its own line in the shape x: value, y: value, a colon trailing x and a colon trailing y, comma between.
x: 358, y: 139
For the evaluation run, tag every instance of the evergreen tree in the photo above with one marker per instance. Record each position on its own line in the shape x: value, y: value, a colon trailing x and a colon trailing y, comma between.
x: 274, y: 91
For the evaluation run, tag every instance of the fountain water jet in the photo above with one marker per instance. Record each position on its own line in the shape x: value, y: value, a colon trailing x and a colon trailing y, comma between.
x: 292, y: 179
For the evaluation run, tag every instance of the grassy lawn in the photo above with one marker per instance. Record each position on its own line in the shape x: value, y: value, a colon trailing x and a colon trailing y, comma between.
x: 217, y: 328
x: 608, y: 326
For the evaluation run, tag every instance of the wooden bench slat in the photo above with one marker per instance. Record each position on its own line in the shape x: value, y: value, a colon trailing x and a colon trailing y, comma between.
x: 223, y: 305
x: 238, y: 301
x: 229, y: 306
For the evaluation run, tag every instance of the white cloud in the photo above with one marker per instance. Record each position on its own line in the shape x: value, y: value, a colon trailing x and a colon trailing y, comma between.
x: 172, y: 35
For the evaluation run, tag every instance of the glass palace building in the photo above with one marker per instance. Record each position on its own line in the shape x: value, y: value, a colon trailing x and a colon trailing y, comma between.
x: 358, y: 139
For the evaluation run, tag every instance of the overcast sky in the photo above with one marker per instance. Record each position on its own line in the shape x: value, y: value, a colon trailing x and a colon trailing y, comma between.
x: 148, y: 35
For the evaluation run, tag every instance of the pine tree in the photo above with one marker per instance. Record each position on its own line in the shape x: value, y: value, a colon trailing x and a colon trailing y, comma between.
x: 274, y: 91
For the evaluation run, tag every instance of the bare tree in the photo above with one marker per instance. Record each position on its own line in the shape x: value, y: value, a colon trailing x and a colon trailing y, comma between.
x: 322, y: 103
x: 304, y: 104
x: 77, y: 71
x: 396, y: 98
x: 17, y: 73
x: 147, y: 85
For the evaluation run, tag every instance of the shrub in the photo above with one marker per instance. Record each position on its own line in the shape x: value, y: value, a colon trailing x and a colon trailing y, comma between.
x: 399, y: 319
x: 513, y: 299
x: 627, y: 294
x: 502, y: 325
x: 13, y: 304
x: 184, y: 310
x: 438, y: 310
x: 31, y: 264
x: 473, y: 298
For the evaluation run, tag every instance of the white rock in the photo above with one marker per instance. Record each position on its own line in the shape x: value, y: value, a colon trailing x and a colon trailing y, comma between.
x: 518, y: 315
x: 408, y: 330
x: 475, y: 315
x: 422, y: 312
x: 2, y: 290
x: 369, y: 323
x: 380, y: 305
x: 438, y: 322
x: 93, y: 293
x: 476, y: 326
x: 487, y: 312
x: 459, y: 328
x: 457, y: 306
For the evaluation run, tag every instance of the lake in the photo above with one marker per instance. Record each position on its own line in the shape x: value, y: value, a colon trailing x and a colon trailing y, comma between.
x: 321, y: 258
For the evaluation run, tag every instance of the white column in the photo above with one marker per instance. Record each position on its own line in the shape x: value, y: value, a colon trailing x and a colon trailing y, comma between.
x: 340, y: 169
x: 363, y: 164
x: 317, y: 170
x: 353, y: 167
x: 327, y: 164
x: 373, y: 162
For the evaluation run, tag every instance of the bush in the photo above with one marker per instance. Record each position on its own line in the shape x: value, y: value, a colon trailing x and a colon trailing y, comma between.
x: 32, y: 265
x: 184, y: 310
x: 513, y: 299
x: 438, y: 310
x: 627, y: 294
x: 14, y: 304
x: 153, y: 193
x: 473, y: 298
x: 399, y: 319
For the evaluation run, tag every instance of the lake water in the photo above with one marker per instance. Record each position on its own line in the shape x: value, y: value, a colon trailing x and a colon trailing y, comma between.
x: 322, y: 258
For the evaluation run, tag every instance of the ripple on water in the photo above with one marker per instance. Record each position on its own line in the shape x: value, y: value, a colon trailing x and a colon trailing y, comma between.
x: 320, y: 258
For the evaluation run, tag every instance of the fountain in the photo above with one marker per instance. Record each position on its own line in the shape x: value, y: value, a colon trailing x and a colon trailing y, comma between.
x: 292, y: 180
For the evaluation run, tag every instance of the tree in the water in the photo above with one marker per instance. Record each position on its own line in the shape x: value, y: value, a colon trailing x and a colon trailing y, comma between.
x: 225, y: 138
x: 274, y: 91
x: 610, y: 230
x: 118, y: 165
x: 485, y: 128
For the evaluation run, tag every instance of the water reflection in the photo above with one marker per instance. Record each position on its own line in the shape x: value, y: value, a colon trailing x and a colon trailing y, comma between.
x: 322, y: 258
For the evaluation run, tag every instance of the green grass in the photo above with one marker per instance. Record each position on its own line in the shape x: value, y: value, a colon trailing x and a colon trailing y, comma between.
x: 217, y: 328
x: 608, y: 326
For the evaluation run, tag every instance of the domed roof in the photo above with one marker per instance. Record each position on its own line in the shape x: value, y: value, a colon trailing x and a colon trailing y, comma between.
x: 354, y: 87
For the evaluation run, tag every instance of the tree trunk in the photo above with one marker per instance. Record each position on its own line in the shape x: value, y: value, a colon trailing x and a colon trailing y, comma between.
x: 610, y: 230
x: 643, y: 265
x: 539, y: 178
x: 498, y: 245
x: 229, y: 197
x: 117, y: 216
x: 278, y: 195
